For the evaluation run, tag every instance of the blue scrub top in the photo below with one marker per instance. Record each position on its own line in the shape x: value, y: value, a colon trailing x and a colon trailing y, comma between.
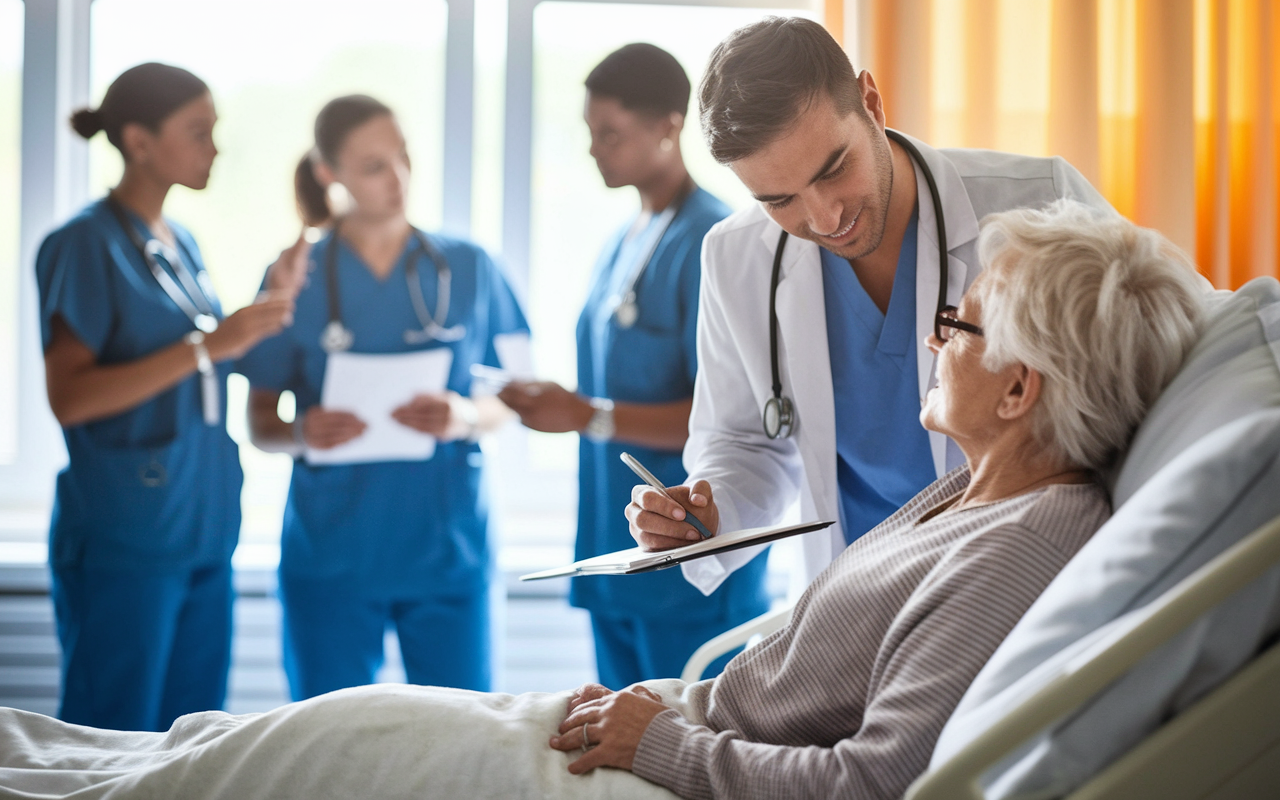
x: 105, y: 515
x: 654, y: 361
x: 882, y: 451
x: 404, y: 528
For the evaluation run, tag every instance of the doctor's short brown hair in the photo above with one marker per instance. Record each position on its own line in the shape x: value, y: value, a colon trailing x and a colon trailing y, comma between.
x: 764, y: 76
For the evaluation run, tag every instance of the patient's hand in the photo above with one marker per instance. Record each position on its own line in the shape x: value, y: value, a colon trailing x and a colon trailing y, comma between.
x: 615, y: 723
x: 585, y: 694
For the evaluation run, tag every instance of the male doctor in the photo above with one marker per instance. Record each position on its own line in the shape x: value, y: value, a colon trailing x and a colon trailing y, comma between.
x: 857, y: 294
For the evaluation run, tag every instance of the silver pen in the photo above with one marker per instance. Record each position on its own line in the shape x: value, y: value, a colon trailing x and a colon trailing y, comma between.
x: 647, y: 476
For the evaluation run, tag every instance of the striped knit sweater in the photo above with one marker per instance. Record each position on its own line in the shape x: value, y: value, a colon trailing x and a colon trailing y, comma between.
x: 848, y: 699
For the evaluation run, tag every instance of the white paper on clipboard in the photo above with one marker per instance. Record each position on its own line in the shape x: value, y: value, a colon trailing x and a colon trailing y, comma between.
x: 371, y: 386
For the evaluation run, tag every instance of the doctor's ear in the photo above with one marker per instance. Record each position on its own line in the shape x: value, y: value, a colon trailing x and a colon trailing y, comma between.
x: 872, y: 102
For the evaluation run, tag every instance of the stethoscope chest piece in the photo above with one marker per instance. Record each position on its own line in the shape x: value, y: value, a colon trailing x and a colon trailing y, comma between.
x: 336, y: 337
x: 779, y: 417
x: 627, y: 312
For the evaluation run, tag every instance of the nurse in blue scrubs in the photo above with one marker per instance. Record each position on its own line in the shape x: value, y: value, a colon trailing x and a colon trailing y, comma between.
x: 136, y: 351
x: 391, y: 544
x: 637, y: 362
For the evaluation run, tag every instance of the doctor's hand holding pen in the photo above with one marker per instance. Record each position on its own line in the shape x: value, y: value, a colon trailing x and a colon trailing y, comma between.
x: 658, y: 521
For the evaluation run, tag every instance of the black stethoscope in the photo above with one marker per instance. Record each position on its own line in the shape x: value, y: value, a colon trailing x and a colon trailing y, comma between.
x: 779, y: 413
x: 338, y: 338
x: 625, y: 308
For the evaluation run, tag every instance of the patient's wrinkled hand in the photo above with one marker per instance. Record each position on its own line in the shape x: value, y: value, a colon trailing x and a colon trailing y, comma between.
x: 586, y: 693
x: 612, y: 722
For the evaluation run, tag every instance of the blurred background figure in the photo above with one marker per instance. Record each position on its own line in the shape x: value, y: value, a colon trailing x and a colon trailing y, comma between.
x: 403, y: 544
x: 636, y: 366
x: 136, y: 350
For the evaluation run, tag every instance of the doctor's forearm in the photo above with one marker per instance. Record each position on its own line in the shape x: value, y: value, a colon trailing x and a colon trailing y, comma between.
x: 662, y: 426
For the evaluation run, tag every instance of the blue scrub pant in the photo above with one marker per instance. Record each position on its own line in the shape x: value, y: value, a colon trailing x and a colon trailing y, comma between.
x: 139, y: 648
x: 333, y: 636
x: 631, y: 649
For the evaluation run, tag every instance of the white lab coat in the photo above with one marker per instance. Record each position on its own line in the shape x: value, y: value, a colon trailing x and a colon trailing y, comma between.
x: 755, y: 479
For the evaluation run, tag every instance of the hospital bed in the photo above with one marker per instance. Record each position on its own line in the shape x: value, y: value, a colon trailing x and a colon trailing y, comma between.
x: 1222, y: 744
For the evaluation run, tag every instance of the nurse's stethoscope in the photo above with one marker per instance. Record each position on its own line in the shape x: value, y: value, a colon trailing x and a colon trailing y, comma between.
x: 625, y: 309
x: 779, y: 413
x: 196, y: 302
x: 338, y: 338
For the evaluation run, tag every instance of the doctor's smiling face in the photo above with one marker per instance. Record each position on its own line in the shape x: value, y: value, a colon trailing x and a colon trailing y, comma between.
x: 373, y: 165
x: 828, y: 178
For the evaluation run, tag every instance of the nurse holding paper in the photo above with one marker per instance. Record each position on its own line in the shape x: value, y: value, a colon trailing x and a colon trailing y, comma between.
x: 378, y: 533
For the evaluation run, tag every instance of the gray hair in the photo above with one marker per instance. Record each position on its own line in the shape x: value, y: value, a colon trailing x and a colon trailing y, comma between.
x: 1104, y: 310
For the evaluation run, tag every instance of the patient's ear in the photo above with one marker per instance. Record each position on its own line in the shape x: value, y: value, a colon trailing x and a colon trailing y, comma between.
x: 1021, y: 392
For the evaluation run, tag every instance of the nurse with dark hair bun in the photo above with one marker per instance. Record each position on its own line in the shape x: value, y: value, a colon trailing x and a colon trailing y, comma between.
x: 636, y: 366
x: 136, y: 350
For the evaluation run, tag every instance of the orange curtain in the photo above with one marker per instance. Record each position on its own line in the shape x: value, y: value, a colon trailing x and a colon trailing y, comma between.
x: 1170, y: 107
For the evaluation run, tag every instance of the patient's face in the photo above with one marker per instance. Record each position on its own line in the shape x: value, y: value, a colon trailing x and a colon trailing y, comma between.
x: 963, y: 404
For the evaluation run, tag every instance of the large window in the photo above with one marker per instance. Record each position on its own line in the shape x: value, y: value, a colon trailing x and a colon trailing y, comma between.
x: 269, y: 77
x: 11, y: 19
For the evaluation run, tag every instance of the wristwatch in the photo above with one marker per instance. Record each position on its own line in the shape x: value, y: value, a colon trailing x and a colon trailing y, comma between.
x: 600, y: 428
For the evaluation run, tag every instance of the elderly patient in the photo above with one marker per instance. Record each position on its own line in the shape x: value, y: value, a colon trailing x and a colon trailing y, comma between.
x: 1072, y: 330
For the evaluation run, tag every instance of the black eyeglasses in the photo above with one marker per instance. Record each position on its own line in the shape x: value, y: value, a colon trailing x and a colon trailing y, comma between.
x: 947, y: 323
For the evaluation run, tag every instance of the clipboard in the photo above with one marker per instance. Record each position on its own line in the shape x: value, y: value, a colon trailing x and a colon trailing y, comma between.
x: 637, y: 560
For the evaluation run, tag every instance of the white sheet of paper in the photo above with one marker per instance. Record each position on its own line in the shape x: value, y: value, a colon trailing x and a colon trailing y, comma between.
x: 371, y: 387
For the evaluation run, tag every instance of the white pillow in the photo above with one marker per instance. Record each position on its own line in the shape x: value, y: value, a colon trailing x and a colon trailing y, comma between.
x: 1208, y: 498
x: 1202, y: 499
x: 1229, y: 373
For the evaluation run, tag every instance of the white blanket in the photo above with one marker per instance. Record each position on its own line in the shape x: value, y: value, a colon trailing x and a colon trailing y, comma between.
x: 384, y: 741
